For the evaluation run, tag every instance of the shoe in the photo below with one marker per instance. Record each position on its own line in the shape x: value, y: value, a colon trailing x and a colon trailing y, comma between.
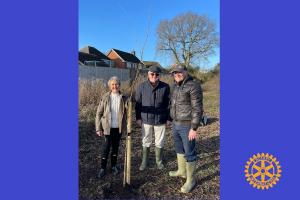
x: 181, y: 172
x: 101, y: 173
x: 114, y: 170
x: 190, y: 177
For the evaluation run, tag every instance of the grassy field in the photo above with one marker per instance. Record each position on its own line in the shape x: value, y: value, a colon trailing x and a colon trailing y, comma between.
x: 151, y: 183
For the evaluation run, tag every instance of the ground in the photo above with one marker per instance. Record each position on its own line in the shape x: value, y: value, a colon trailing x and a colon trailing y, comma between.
x: 153, y: 183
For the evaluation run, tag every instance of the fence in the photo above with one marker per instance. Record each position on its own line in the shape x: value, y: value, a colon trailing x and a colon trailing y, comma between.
x: 104, y: 73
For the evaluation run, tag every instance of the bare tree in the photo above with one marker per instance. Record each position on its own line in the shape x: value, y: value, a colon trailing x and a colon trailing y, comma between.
x: 187, y: 38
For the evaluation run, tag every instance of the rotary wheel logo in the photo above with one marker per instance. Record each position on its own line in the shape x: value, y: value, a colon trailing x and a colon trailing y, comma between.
x: 262, y: 171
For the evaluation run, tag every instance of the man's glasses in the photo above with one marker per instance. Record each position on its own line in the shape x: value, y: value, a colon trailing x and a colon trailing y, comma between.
x: 154, y: 74
x: 176, y: 73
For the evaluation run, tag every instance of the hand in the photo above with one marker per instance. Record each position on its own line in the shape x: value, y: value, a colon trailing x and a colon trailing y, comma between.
x: 192, y: 134
x: 139, y: 122
x: 99, y: 133
x: 169, y: 123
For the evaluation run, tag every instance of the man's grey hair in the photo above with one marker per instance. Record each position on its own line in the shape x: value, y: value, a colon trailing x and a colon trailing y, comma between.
x: 113, y: 78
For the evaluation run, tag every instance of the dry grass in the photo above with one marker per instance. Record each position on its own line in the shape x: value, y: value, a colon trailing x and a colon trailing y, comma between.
x: 152, y: 183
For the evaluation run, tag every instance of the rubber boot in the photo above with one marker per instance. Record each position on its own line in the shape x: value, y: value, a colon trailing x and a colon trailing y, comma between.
x: 190, y: 177
x: 145, y: 158
x: 158, y: 157
x: 181, y: 172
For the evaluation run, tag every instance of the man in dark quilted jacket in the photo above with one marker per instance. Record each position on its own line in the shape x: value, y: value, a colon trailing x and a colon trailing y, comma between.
x: 186, y: 110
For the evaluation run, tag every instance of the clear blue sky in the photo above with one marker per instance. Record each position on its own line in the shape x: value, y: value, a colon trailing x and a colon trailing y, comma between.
x: 123, y: 24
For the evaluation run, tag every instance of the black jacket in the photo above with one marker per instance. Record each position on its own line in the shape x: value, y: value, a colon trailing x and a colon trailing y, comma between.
x: 152, y: 103
x: 186, y: 102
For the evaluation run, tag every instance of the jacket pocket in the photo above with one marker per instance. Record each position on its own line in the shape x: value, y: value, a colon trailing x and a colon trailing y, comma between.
x: 104, y: 124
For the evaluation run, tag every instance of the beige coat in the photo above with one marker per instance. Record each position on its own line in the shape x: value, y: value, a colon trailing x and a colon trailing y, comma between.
x: 103, y: 115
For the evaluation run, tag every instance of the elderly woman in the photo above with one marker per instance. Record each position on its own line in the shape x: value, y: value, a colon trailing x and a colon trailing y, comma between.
x: 111, y: 123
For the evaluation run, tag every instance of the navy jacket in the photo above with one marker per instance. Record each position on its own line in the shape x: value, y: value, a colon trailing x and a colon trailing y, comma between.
x: 152, y: 103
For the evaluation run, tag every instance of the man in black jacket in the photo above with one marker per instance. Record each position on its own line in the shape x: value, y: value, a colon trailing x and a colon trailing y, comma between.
x: 186, y: 111
x: 151, y: 108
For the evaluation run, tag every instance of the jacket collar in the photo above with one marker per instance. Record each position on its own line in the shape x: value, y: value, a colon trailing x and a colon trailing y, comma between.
x: 152, y: 85
x: 107, y: 95
x: 187, y: 78
x: 119, y: 93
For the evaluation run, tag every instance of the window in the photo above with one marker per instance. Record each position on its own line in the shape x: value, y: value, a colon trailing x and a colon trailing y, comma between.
x: 93, y: 63
x: 108, y: 62
x: 130, y: 65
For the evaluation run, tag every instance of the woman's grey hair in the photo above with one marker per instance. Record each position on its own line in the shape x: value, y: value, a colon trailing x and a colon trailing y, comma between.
x: 113, y: 78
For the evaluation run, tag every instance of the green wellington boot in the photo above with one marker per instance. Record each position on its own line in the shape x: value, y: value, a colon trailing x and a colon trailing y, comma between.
x: 145, y: 158
x: 158, y: 157
x: 181, y: 172
x: 190, y: 177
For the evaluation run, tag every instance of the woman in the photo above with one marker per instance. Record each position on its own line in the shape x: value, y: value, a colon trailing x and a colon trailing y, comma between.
x: 111, y: 123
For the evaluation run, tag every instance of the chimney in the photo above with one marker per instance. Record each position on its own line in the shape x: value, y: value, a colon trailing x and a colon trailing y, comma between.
x: 133, y: 52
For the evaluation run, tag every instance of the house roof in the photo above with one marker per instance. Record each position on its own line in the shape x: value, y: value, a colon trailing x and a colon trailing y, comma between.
x: 91, y: 57
x: 128, y: 57
x: 88, y: 57
x: 94, y: 51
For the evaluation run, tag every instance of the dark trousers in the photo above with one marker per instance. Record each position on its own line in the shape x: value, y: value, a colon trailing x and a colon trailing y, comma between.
x: 111, y: 142
x: 182, y: 143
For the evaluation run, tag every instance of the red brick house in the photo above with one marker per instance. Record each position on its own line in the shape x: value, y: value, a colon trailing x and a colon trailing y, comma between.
x: 123, y: 59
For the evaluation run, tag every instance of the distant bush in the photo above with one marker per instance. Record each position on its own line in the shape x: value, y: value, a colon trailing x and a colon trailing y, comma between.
x: 90, y: 93
x: 205, y: 76
x: 216, y: 69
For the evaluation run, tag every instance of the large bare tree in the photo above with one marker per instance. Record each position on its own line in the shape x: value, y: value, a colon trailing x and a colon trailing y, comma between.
x: 187, y: 38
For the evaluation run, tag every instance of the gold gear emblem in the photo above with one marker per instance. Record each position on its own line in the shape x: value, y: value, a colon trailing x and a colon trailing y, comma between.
x: 262, y: 171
